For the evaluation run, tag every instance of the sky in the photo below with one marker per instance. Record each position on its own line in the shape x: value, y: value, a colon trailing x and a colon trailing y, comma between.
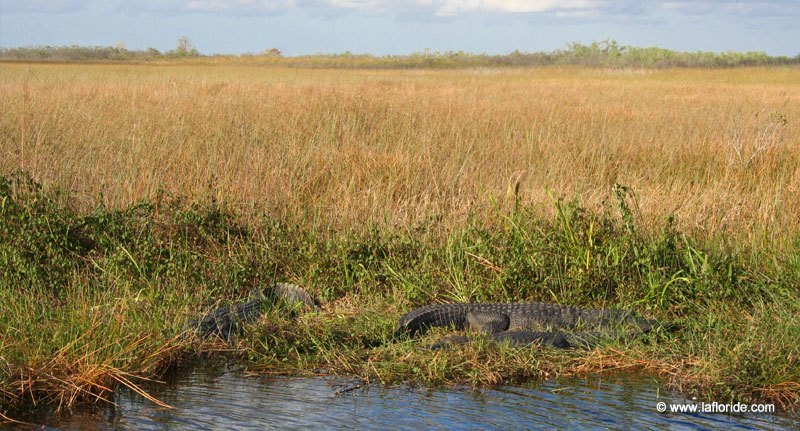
x: 380, y: 27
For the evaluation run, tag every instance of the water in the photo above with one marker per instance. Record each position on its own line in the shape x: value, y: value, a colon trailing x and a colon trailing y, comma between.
x: 229, y: 401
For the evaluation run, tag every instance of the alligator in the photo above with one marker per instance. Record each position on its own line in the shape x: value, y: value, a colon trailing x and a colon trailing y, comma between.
x: 522, y: 324
x: 226, y: 321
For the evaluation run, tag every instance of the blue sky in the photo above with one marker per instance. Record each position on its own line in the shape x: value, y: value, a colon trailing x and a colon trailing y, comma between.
x: 403, y: 26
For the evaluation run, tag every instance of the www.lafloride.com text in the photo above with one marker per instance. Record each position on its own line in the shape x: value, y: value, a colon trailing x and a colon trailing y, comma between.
x: 715, y: 407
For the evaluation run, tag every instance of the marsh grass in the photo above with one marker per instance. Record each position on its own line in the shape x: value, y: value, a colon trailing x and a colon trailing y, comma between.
x: 91, y: 301
x: 154, y: 193
x: 356, y: 149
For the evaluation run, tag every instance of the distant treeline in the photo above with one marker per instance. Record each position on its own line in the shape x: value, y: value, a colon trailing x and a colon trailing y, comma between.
x: 89, y: 53
x: 596, y: 54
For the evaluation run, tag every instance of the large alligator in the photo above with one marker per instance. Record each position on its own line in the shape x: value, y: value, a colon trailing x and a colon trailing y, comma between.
x: 525, y: 323
x: 223, y: 322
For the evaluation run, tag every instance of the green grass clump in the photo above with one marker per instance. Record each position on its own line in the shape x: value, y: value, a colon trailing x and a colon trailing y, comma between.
x: 93, y: 300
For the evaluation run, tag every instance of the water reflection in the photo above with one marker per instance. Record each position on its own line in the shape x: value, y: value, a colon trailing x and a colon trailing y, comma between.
x: 228, y: 400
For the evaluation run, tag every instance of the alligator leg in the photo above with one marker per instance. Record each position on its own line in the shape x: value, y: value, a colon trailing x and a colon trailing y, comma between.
x: 522, y: 338
x: 490, y: 322
x: 449, y: 341
x: 518, y: 338
x: 497, y: 324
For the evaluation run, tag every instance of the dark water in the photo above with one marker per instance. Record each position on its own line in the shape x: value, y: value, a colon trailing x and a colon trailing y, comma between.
x: 230, y: 401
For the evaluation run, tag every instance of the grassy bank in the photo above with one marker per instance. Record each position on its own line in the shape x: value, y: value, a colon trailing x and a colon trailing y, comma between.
x: 91, y: 300
x: 160, y: 191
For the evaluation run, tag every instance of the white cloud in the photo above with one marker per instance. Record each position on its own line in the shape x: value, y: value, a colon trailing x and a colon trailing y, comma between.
x: 448, y: 8
x: 238, y: 5
x: 272, y: 6
x: 438, y: 7
x: 379, y: 5
x: 457, y: 7
x: 733, y: 7
x: 47, y: 6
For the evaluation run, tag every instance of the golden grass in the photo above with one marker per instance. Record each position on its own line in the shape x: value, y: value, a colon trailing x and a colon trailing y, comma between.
x: 397, y: 149
x: 338, y: 148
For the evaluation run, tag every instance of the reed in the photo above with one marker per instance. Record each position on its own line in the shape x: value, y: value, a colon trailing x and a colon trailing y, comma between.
x: 152, y: 193
x: 348, y: 148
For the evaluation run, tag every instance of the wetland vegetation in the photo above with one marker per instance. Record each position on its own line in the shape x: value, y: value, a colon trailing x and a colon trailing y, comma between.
x: 137, y: 196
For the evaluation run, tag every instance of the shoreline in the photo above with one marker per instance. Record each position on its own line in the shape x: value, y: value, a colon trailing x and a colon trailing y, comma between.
x: 88, y: 298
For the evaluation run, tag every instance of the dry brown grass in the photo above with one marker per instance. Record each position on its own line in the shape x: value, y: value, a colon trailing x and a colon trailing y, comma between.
x: 717, y: 148
x: 396, y: 149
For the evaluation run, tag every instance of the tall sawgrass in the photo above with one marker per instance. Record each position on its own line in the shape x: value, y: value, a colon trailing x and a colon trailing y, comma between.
x: 154, y: 193
x: 94, y: 300
x: 347, y: 149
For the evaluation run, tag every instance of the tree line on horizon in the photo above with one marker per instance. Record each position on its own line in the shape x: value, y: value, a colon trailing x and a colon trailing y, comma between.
x: 597, y: 54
